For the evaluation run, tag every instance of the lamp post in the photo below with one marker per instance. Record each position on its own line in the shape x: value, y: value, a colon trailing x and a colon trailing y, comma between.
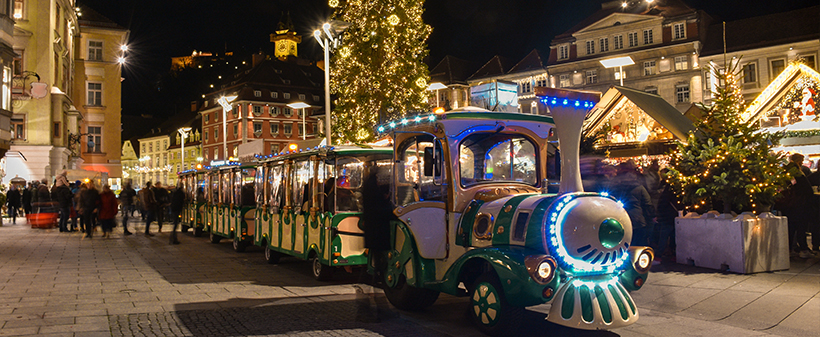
x: 436, y: 86
x: 619, y: 62
x: 184, y: 133
x: 329, y: 40
x: 225, y: 102
x: 301, y: 105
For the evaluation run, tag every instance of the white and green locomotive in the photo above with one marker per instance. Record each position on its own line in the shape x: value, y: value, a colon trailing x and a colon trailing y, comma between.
x: 475, y: 219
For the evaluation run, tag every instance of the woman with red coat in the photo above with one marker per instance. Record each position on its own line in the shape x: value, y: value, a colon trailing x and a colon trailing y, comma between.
x: 108, y: 210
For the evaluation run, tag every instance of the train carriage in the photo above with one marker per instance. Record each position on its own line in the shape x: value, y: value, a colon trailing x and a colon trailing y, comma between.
x: 310, y: 205
x: 229, y: 203
x: 193, y: 213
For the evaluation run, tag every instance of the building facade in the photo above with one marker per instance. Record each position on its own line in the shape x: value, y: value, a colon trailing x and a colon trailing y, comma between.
x: 7, y: 57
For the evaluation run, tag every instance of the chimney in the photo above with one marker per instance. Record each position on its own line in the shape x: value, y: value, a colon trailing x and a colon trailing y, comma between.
x: 258, y: 58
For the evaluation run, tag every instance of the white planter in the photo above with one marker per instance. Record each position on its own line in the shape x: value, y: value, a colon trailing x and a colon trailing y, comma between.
x: 743, y: 244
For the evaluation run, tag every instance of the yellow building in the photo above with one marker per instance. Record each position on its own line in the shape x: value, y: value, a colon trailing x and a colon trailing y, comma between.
x: 98, y: 94
x: 44, y: 111
x: 7, y: 57
x: 130, y: 162
x: 160, y: 155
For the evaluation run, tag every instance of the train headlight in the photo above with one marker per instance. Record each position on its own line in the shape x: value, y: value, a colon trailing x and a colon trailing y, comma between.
x: 644, y: 261
x: 541, y: 268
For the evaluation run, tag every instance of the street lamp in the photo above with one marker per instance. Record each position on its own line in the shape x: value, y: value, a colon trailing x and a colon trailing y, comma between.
x: 301, y: 105
x: 225, y: 102
x: 436, y: 86
x: 619, y: 62
x: 184, y: 133
x: 329, y: 40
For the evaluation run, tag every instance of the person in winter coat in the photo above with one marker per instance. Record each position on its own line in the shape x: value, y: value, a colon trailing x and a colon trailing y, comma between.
x: 376, y: 215
x: 13, y: 201
x: 108, y: 210
x: 149, y: 205
x: 127, y: 196
x: 161, y: 198
x: 177, y: 203
x: 26, y: 199
x: 796, y: 205
x: 637, y: 203
x: 62, y: 195
x: 89, y: 204
x: 665, y: 227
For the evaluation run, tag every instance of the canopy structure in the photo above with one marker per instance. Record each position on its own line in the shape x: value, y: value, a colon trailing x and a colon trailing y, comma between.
x: 636, y: 123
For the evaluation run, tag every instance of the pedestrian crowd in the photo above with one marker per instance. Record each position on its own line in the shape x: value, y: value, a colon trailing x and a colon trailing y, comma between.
x: 653, y: 206
x: 87, y: 207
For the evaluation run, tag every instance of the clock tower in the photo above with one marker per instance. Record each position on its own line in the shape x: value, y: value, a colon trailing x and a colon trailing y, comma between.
x: 285, y: 40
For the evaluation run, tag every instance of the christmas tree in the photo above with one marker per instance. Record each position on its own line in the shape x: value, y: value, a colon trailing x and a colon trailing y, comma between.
x: 377, y: 72
x: 727, y: 161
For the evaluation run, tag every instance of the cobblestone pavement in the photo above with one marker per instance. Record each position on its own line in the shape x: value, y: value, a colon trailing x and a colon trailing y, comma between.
x: 58, y: 284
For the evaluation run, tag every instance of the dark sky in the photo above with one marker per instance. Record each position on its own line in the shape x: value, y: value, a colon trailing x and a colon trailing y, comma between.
x: 469, y: 29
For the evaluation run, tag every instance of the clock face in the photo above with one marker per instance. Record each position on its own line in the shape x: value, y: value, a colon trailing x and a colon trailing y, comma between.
x: 292, y: 47
x: 283, y: 46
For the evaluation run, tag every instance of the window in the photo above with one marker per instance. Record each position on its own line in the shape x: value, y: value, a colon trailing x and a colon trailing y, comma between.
x: 288, y: 129
x: 274, y: 148
x: 18, y: 128
x: 419, y: 171
x: 809, y: 61
x: 651, y: 90
x: 647, y: 36
x: 648, y: 68
x: 315, y: 97
x: 592, y: 76
x: 590, y: 47
x: 681, y: 63
x: 301, y: 127
x: 150, y: 147
x: 257, y: 129
x: 286, y: 95
x: 94, y: 139
x: 95, y: 94
x: 487, y: 157
x: 604, y: 44
x: 749, y: 73
x: 287, y: 112
x: 777, y: 67
x: 682, y: 93
x: 618, y: 42
x: 563, y: 81
x: 257, y: 93
x: 207, y: 118
x: 236, y: 130
x: 58, y: 129
x: 541, y: 83
x: 563, y: 52
x: 95, y: 49
x: 274, y: 111
x: 679, y: 31
x: 206, y: 135
x: 525, y: 86
x: 633, y: 39
x: 274, y: 129
x: 301, y: 97
x: 236, y: 110
x: 257, y: 110
x: 216, y: 134
x: 18, y: 10
x: 274, y: 94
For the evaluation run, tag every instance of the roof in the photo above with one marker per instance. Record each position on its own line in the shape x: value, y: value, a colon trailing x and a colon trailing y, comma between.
x: 452, y: 70
x: 273, y: 74
x: 92, y: 18
x: 496, y: 66
x: 653, y: 105
x: 757, y: 32
x: 173, y: 123
x: 775, y: 92
x: 530, y: 62
x: 664, y: 8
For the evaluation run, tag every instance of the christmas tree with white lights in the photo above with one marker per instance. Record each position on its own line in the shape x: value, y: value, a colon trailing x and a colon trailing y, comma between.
x: 378, y: 73
x: 727, y: 160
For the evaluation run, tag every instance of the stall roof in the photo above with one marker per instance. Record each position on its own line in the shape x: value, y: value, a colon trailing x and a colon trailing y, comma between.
x: 653, y: 105
x: 777, y: 89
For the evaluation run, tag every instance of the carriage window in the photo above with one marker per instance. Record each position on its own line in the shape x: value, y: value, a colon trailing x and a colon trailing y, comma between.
x: 497, y: 157
x: 261, y: 191
x: 245, y: 184
x: 418, y: 171
x: 276, y: 188
x: 213, y: 193
x: 349, y: 175
x: 324, y: 183
x: 226, y: 187
x: 301, y: 177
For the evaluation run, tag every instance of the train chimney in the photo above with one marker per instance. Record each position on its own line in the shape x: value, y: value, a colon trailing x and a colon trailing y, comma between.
x: 569, y: 108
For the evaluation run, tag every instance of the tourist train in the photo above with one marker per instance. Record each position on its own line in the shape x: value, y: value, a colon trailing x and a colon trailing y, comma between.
x: 475, y: 215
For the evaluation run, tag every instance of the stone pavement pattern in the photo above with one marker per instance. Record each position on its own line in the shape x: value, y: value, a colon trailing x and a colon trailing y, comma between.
x: 54, y: 284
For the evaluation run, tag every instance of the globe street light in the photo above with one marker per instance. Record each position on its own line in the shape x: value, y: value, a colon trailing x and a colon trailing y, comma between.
x: 301, y: 105
x: 329, y: 40
x: 225, y: 102
x: 619, y: 62
x: 184, y: 133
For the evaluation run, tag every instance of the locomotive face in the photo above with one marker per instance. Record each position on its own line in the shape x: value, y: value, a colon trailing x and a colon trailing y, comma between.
x: 587, y: 233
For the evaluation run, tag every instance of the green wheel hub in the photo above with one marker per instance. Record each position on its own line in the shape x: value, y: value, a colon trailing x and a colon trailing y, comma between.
x: 611, y: 233
x: 486, y: 303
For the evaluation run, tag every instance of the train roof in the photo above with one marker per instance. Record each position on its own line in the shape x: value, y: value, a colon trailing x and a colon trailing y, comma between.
x: 332, y: 150
x: 467, y: 113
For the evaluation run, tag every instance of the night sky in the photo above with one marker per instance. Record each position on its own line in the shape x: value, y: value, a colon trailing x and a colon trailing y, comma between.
x: 474, y: 30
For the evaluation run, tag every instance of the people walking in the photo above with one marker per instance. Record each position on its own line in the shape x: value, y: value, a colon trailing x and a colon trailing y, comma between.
x: 127, y: 200
x: 161, y: 199
x: 13, y: 202
x: 149, y: 206
x: 177, y: 203
x: 78, y: 207
x: 796, y: 206
x: 89, y: 204
x: 108, y: 210
x: 26, y: 199
x: 62, y: 195
x: 631, y: 191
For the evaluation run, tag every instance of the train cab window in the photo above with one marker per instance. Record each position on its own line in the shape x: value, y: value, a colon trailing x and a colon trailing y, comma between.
x: 302, y: 172
x: 349, y: 175
x: 246, y: 180
x: 276, y: 188
x: 497, y: 157
x: 419, y: 171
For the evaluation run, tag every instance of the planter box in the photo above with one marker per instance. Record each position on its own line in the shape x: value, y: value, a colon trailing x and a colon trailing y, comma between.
x: 743, y: 244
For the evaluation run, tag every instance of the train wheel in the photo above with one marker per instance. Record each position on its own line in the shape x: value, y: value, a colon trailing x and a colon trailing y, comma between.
x: 239, y: 245
x: 321, y: 272
x: 410, y: 298
x: 197, y: 231
x: 489, y: 309
x: 215, y: 238
x: 271, y: 255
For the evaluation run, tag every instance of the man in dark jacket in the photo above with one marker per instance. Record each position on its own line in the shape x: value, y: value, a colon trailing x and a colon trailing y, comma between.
x: 90, y: 203
x: 637, y: 203
x: 13, y: 200
x: 62, y: 195
x: 161, y: 197
x: 177, y: 203
x: 26, y: 199
x: 149, y: 205
x: 127, y: 200
x: 797, y: 205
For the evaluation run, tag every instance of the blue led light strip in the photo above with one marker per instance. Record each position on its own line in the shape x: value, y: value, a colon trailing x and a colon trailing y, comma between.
x: 560, y: 101
x: 405, y: 121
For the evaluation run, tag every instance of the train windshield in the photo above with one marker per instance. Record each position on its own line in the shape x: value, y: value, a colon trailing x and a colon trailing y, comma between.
x: 497, y: 157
